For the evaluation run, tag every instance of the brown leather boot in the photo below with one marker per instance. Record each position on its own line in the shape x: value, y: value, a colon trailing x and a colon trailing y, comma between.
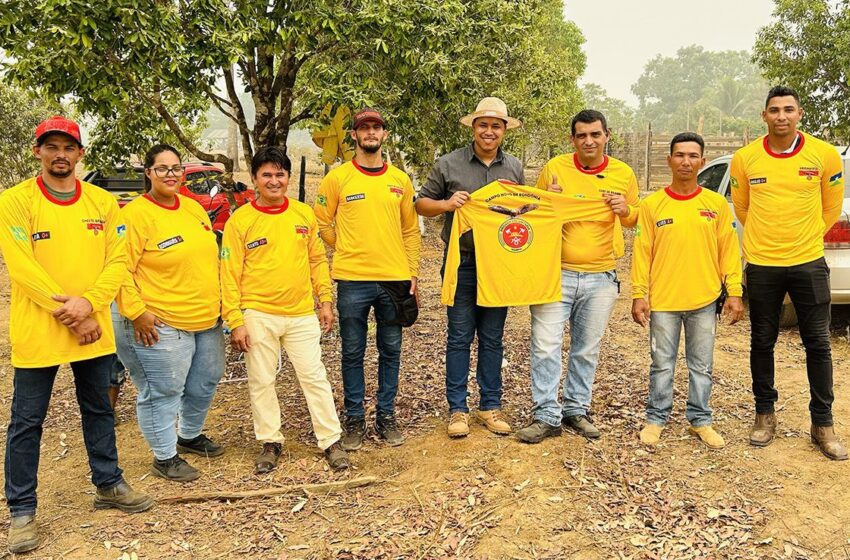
x: 764, y: 430
x: 825, y: 438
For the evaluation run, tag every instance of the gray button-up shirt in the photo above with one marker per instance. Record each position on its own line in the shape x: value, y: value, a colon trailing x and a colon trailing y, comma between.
x: 462, y: 170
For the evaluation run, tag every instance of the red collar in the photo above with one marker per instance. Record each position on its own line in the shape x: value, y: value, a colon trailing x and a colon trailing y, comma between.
x: 370, y: 173
x: 800, y: 141
x: 174, y: 206
x: 594, y: 171
x: 272, y: 209
x: 676, y: 196
x: 77, y: 192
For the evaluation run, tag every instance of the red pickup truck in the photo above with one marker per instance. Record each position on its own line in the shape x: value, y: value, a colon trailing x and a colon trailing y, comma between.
x: 198, y: 180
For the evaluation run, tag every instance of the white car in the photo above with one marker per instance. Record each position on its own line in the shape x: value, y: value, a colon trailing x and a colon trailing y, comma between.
x: 836, y: 242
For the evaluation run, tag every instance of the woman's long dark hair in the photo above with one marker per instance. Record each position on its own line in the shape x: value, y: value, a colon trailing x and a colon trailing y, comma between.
x: 150, y: 157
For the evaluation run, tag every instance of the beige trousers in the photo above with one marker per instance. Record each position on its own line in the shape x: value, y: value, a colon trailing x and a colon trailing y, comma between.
x: 299, y: 336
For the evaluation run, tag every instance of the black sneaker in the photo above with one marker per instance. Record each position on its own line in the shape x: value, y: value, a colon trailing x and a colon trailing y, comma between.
x: 337, y: 458
x: 387, y: 429
x: 201, y: 445
x: 581, y: 425
x: 176, y: 469
x: 267, y: 459
x: 537, y: 431
x: 355, y: 429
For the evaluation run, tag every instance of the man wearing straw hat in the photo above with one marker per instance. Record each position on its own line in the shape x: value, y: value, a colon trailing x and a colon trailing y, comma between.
x: 454, y: 177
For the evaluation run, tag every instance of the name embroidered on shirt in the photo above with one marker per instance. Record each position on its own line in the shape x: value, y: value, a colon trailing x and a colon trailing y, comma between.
x: 661, y: 223
x: 758, y: 180
x: 170, y: 242
x: 39, y: 235
x: 353, y: 197
x: 257, y: 243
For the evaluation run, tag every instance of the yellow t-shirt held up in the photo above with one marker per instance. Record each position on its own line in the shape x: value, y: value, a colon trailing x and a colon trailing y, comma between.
x: 172, y: 263
x: 786, y: 202
x: 593, y: 246
x: 685, y: 248
x: 60, y: 247
x: 369, y: 220
x: 517, y: 234
x: 272, y: 260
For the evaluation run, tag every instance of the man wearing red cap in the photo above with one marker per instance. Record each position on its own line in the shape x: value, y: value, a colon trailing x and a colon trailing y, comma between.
x: 63, y: 243
x: 365, y: 213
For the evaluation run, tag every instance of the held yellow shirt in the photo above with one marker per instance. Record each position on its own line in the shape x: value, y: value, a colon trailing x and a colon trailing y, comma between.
x: 685, y: 248
x: 593, y: 246
x: 272, y: 260
x: 517, y: 235
x: 369, y: 220
x: 52, y: 247
x: 173, y: 264
x: 786, y: 202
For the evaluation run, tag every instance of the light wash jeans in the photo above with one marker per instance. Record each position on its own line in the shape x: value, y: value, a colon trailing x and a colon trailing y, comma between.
x: 587, y: 299
x: 664, y: 330
x: 177, y: 376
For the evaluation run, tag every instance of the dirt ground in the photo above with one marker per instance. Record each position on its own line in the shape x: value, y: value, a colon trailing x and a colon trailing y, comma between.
x: 480, y: 497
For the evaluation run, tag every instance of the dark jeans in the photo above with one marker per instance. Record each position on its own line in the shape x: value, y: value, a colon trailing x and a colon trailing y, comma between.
x: 808, y: 286
x: 32, y: 389
x: 354, y: 299
x: 465, y: 320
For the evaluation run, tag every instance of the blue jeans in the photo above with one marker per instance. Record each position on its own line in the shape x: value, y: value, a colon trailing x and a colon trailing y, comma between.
x: 587, y: 299
x: 32, y: 389
x: 664, y: 330
x: 177, y: 376
x: 466, y: 318
x: 354, y: 300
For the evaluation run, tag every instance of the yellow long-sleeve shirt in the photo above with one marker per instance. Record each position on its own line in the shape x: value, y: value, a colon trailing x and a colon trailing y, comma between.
x: 593, y: 246
x: 786, y: 202
x: 516, y: 230
x: 172, y: 258
x: 53, y: 247
x: 685, y: 248
x: 272, y: 260
x: 369, y: 220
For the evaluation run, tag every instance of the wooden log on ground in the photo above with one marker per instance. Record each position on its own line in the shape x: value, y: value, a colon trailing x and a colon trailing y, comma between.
x: 313, y: 488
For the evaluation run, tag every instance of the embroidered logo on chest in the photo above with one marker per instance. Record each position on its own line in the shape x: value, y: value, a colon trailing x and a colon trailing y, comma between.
x: 396, y: 190
x: 810, y: 173
x: 516, y: 235
x: 257, y: 243
x: 94, y: 225
x: 303, y: 231
x: 708, y: 214
x: 170, y: 242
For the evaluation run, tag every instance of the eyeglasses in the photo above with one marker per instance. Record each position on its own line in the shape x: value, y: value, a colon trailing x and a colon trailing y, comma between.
x: 163, y: 171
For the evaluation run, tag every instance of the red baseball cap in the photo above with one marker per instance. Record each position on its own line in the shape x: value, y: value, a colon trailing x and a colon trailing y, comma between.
x: 59, y: 124
x: 367, y: 115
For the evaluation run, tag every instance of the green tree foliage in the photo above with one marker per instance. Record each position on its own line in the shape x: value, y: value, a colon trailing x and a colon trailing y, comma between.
x: 724, y: 89
x: 20, y: 113
x: 139, y: 66
x: 807, y: 47
x: 620, y: 117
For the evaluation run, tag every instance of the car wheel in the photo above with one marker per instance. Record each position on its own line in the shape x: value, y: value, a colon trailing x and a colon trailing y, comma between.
x: 788, y: 315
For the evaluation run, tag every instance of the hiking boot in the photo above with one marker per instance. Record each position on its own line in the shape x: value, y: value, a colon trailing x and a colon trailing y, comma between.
x: 458, y: 425
x: 764, y: 430
x: 336, y: 457
x: 387, y: 429
x: 201, y: 445
x: 355, y: 430
x: 537, y: 431
x: 708, y: 436
x: 494, y: 420
x: 266, y: 461
x: 650, y: 434
x: 581, y: 425
x: 176, y: 469
x: 23, y: 534
x: 122, y: 497
x: 824, y: 437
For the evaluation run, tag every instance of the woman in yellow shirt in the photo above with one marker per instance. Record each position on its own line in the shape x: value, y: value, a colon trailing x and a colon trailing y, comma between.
x: 169, y: 333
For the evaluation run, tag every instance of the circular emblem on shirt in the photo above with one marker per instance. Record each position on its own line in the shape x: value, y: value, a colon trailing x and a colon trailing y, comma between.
x: 516, y: 235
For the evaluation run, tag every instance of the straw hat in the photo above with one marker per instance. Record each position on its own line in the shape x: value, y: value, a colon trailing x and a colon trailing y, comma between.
x: 491, y: 107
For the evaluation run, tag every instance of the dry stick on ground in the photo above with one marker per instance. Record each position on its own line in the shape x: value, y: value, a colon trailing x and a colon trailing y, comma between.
x: 323, y: 487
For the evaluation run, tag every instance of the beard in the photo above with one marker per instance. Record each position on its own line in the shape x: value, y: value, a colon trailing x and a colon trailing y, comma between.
x: 60, y: 174
x: 371, y: 148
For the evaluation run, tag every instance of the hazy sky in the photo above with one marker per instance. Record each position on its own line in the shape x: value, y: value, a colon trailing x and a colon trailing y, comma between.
x: 623, y: 35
